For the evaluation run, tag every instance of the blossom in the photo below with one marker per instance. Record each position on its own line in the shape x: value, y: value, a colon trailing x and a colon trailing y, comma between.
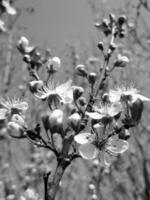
x: 121, y: 61
x: 14, y: 106
x: 90, y: 147
x: 53, y: 64
x: 9, y: 9
x: 106, y: 111
x: 123, y: 93
x: 24, y: 46
x: 56, y: 94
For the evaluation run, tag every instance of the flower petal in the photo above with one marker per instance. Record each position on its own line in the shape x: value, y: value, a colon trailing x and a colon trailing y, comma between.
x: 65, y: 91
x: 84, y: 138
x: 88, y: 151
x: 41, y: 95
x: 3, y: 112
x: 141, y: 97
x: 116, y: 145
x: 23, y: 106
x: 64, y: 87
x: 106, y: 159
x: 95, y: 115
x: 115, y: 109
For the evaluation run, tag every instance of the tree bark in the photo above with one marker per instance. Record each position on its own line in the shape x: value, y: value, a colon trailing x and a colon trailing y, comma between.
x: 54, y: 181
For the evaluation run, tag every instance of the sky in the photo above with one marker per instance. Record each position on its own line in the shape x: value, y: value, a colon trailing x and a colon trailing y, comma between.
x: 55, y: 22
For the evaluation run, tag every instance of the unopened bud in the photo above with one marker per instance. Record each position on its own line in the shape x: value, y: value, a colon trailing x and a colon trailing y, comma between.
x: 27, y: 58
x: 57, y: 140
x: 112, y: 46
x: 112, y: 17
x: 121, y: 61
x: 82, y: 101
x: 136, y: 109
x: 18, y: 119
x: 101, y: 46
x: 92, y: 78
x: 14, y: 129
x: 77, y: 92
x: 94, y: 197
x: 96, y: 163
x: 91, y: 187
x: 56, y: 120
x: 124, y: 134
x: 45, y: 120
x: 105, y: 98
x: 53, y: 64
x: 81, y: 71
x: 34, y: 86
x: 74, y: 121
x: 23, y: 45
x: 121, y: 20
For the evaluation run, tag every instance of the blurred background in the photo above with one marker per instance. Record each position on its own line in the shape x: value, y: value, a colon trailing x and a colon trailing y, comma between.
x: 67, y: 28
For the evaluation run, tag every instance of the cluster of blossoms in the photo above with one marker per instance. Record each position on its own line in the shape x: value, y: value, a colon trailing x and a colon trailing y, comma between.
x: 96, y: 127
x: 111, y: 123
x: 118, y: 109
x: 6, y: 7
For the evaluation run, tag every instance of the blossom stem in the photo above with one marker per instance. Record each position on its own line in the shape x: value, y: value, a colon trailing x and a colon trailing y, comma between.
x: 106, y: 61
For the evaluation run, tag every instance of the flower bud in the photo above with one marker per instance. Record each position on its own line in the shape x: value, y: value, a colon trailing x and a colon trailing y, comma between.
x: 105, y: 98
x: 136, y: 109
x: 81, y: 71
x: 92, y: 78
x: 18, y: 119
x: 34, y: 86
x: 45, y: 120
x: 15, y: 130
x: 112, y: 17
x: 121, y: 61
x: 112, y: 46
x: 124, y: 134
x: 91, y: 186
x: 82, y: 101
x: 77, y: 92
x: 74, y: 121
x: 23, y: 46
x: 27, y: 58
x: 56, y: 121
x: 57, y: 140
x: 121, y: 20
x: 101, y: 46
x: 94, y: 197
x: 23, y: 43
x: 53, y: 64
x: 95, y: 163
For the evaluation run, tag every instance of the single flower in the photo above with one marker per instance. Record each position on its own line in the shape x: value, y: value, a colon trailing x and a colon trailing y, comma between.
x: 14, y: 106
x: 122, y: 93
x: 56, y: 94
x: 90, y: 147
